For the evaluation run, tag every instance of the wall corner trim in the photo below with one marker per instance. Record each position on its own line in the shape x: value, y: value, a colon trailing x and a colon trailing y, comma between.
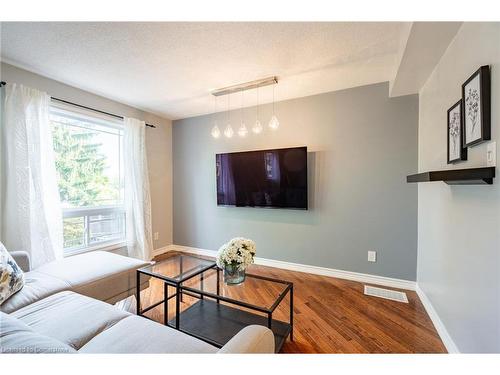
x: 323, y: 271
x: 438, y: 323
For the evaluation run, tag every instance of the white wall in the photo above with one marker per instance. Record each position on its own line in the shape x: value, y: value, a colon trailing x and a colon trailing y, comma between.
x: 459, y: 226
x: 158, y: 141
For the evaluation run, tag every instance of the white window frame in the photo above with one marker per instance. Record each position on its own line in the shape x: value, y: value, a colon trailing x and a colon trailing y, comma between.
x: 86, y: 212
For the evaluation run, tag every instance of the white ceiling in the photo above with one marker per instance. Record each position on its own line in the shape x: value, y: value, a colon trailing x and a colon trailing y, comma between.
x: 170, y: 68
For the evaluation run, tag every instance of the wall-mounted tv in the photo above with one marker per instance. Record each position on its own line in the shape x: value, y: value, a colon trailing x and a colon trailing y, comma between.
x: 265, y: 178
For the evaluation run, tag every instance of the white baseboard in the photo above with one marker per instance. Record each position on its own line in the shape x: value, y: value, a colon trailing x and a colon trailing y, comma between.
x: 161, y: 250
x: 341, y: 274
x: 323, y: 271
x: 438, y: 323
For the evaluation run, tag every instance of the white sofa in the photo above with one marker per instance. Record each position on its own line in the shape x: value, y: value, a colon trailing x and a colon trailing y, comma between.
x: 65, y: 308
x: 98, y: 274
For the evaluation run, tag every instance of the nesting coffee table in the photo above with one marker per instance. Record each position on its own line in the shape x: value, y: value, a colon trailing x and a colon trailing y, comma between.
x: 218, y: 311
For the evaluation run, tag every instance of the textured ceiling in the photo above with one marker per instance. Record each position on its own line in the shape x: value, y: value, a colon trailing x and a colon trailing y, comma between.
x: 170, y: 68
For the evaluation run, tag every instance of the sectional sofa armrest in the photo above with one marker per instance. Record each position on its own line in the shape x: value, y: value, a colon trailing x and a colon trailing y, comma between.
x: 252, y: 339
x: 22, y: 259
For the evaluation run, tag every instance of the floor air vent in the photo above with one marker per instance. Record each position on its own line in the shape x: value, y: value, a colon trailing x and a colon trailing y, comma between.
x: 386, y: 293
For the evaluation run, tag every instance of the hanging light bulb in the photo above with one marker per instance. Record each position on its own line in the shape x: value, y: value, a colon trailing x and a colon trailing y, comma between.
x: 215, y: 131
x: 242, y: 131
x: 274, y: 123
x: 257, y: 127
x: 228, y: 132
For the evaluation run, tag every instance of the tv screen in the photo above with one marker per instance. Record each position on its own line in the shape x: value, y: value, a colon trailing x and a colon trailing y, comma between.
x: 266, y: 178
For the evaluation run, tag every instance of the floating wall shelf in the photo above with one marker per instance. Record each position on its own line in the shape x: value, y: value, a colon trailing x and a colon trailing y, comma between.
x: 471, y: 176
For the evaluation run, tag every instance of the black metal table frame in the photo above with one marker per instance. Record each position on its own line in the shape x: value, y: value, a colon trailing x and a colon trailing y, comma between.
x: 166, y: 283
x: 200, y: 293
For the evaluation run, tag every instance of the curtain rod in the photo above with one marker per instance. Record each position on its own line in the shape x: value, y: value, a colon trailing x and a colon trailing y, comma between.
x: 89, y: 108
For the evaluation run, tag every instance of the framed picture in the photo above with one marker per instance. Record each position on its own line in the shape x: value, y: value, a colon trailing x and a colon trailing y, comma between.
x: 455, y: 126
x: 476, y: 104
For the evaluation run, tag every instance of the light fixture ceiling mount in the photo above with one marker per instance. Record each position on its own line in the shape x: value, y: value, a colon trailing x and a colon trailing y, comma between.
x: 246, y: 86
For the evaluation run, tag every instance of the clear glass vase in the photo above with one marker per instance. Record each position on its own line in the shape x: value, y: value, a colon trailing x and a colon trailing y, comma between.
x: 233, y: 275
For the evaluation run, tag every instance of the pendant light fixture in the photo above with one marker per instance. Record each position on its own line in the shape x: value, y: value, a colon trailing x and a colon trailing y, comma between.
x: 257, y: 127
x: 242, y: 131
x: 228, y: 131
x: 274, y: 123
x: 215, y: 130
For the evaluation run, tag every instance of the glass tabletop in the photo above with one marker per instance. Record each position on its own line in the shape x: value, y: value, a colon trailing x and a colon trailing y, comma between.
x: 178, y: 268
x: 257, y: 291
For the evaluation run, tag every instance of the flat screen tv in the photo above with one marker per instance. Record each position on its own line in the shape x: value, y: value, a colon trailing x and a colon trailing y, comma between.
x: 265, y: 178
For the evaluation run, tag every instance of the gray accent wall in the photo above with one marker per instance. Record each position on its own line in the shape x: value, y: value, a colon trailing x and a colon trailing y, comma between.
x: 361, y: 145
x: 459, y: 226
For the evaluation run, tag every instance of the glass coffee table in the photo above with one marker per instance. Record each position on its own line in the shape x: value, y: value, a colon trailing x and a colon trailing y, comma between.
x: 173, y: 272
x: 215, y: 312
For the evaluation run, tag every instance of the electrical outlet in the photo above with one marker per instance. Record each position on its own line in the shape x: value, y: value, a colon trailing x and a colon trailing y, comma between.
x: 372, y: 256
x: 156, y: 236
x: 491, y: 154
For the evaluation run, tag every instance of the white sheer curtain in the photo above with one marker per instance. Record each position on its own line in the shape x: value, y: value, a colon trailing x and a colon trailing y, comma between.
x: 31, y: 211
x: 137, y: 196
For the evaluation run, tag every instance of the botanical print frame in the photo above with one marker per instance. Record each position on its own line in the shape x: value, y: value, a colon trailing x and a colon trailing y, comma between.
x: 454, y: 127
x: 476, y: 99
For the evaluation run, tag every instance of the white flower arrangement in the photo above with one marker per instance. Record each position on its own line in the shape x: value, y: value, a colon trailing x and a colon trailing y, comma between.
x: 238, y: 252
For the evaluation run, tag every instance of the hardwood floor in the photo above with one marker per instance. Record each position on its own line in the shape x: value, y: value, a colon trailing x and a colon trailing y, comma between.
x: 332, y: 315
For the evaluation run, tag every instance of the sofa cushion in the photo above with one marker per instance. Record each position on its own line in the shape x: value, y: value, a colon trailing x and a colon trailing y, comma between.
x: 253, y: 339
x: 98, y: 274
x: 11, y: 276
x: 36, y: 286
x: 70, y: 317
x: 17, y: 337
x: 140, y: 335
x: 22, y: 259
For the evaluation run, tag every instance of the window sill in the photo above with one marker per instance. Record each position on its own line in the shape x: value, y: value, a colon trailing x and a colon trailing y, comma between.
x: 102, y: 247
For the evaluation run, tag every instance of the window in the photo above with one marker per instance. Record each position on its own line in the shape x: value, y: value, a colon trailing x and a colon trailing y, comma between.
x: 88, y: 157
